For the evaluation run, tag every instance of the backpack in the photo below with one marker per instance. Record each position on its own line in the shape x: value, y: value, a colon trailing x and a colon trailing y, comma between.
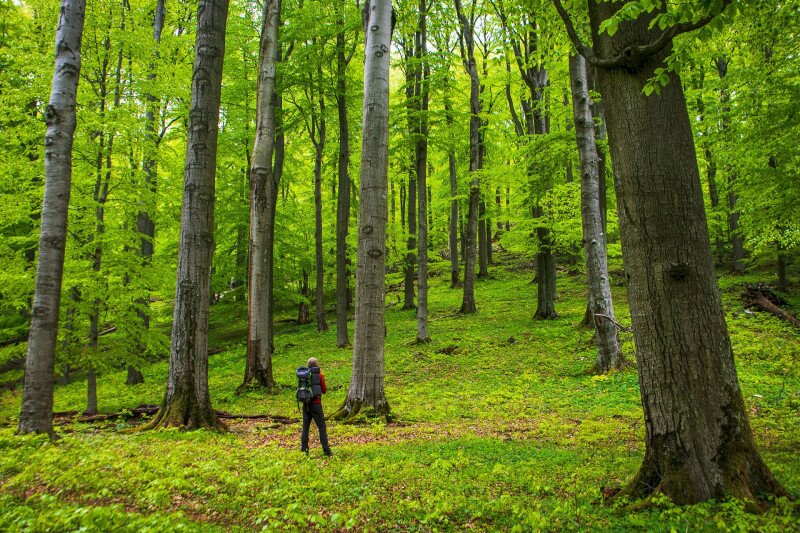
x: 304, y: 386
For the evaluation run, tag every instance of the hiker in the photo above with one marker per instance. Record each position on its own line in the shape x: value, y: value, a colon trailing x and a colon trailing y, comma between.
x: 313, y: 409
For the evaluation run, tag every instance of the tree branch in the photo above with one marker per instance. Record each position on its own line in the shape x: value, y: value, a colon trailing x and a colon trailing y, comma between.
x: 632, y: 56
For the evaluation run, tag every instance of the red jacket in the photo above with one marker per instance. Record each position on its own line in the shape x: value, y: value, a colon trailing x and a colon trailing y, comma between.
x: 323, y: 386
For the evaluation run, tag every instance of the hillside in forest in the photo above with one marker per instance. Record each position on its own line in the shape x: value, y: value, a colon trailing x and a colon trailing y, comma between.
x: 498, y: 426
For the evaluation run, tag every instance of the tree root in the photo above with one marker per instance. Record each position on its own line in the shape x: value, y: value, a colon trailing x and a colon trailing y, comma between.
x: 351, y: 408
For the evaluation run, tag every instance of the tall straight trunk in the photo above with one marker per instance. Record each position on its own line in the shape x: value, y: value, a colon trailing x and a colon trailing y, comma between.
x: 302, y: 314
x: 412, y: 106
x: 187, y: 402
x: 144, y: 222
x: 734, y: 234
x: 367, y: 379
x: 698, y: 442
x: 421, y: 158
x: 36, y: 414
x: 534, y: 107
x: 263, y: 199
x: 343, y: 190
x: 483, y: 241
x: 601, y: 306
x: 454, y: 218
x: 475, y: 162
x: 318, y: 123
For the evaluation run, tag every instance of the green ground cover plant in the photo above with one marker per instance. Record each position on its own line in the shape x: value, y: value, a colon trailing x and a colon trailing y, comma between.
x: 499, y: 427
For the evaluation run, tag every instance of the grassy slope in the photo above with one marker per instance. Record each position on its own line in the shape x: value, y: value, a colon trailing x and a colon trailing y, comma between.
x: 499, y: 428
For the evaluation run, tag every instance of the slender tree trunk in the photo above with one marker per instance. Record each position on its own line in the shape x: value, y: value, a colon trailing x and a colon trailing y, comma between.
x: 421, y: 158
x: 483, y: 255
x: 144, y: 222
x: 367, y: 380
x: 454, y: 218
x: 609, y: 355
x: 319, y: 146
x: 698, y: 439
x: 302, y: 314
x: 187, y: 402
x: 36, y: 415
x: 475, y: 162
x: 343, y: 191
x: 412, y: 106
x: 263, y: 200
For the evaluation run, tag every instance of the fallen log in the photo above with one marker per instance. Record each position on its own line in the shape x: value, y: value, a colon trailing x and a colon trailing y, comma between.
x: 150, y: 410
x: 761, y: 297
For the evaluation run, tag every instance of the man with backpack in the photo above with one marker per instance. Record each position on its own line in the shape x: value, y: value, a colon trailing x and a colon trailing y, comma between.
x: 311, y: 387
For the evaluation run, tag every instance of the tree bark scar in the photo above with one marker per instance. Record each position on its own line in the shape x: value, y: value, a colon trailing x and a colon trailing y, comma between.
x: 679, y: 270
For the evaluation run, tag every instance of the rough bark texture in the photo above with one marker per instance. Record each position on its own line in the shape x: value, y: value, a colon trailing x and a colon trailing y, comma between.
x: 263, y: 192
x: 601, y: 307
x: 343, y: 189
x: 422, y: 176
x: 36, y: 415
x: 475, y: 163
x: 187, y: 402
x: 698, y: 439
x: 367, y: 380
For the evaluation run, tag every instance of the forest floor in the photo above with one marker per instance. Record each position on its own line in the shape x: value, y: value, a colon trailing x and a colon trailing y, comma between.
x: 498, y: 427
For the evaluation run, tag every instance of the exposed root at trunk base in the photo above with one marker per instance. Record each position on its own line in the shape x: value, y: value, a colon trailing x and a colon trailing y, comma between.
x: 351, y: 408
x: 621, y: 363
x: 184, y: 415
x: 261, y: 383
x: 744, y: 477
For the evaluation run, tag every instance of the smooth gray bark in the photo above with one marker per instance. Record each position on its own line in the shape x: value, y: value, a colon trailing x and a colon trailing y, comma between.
x: 263, y: 188
x: 36, y: 415
x: 318, y: 135
x: 601, y: 306
x: 367, y: 381
x: 187, y: 402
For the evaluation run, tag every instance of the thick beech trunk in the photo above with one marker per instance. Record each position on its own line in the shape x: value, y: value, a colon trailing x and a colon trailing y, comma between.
x: 187, y: 402
x: 367, y: 380
x: 263, y: 200
x: 601, y: 307
x: 36, y: 415
x: 421, y: 158
x: 698, y: 439
x: 475, y: 161
x: 343, y: 190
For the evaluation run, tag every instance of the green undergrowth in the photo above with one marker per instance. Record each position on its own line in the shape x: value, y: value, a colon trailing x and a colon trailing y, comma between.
x: 499, y: 427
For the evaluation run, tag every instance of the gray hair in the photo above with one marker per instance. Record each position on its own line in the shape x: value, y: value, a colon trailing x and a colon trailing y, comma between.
x: 312, y: 361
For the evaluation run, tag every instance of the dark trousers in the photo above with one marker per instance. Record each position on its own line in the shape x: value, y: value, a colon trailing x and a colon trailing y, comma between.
x: 314, y: 410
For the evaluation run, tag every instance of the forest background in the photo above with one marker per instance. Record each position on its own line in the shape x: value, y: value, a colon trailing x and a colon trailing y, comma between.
x: 741, y: 81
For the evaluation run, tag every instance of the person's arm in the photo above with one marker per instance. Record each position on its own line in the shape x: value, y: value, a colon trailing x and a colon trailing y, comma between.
x: 322, y: 383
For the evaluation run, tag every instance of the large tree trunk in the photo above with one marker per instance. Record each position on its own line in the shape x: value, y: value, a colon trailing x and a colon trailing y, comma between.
x: 187, y: 402
x: 263, y: 199
x: 343, y: 190
x: 421, y: 153
x: 36, y: 415
x: 698, y: 439
x: 367, y: 380
x: 144, y: 222
x: 601, y: 307
x: 475, y: 162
